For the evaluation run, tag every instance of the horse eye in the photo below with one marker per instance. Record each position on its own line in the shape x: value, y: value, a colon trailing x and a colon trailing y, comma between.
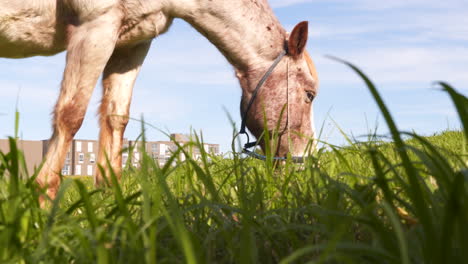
x: 310, y: 96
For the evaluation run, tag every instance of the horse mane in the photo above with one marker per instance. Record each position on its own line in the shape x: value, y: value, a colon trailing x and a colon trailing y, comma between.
x: 311, y: 65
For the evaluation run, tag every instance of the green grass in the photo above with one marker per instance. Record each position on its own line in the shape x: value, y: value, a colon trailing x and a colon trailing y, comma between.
x: 403, y: 201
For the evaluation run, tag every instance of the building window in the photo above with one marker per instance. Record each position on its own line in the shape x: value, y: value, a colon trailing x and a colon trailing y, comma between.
x: 92, y: 158
x: 66, y: 170
x: 68, y: 159
x: 154, y: 148
x: 78, y: 146
x: 78, y: 170
x: 124, y: 158
x: 162, y: 149
x: 90, y: 170
x: 80, y: 157
x: 214, y: 150
x: 90, y: 146
x: 172, y: 149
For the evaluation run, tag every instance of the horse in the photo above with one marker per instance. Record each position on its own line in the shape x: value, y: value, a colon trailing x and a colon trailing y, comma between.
x: 112, y: 37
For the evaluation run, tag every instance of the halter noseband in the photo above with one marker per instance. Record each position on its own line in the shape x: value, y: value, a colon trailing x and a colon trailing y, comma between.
x: 243, y: 131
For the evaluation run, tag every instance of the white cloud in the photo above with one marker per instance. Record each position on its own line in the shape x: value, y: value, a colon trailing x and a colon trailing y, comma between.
x: 340, y: 32
x: 421, y: 42
x: 27, y: 94
x: 223, y: 77
x: 414, y: 67
x: 421, y: 4
x: 285, y: 3
x: 374, y: 5
x: 159, y: 104
x: 428, y: 110
x: 415, y: 27
x: 187, y: 58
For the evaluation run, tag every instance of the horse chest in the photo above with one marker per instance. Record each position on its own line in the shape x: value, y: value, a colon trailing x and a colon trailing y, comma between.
x: 145, y: 27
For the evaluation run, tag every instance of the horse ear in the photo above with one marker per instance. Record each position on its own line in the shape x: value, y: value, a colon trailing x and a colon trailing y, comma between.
x: 298, y: 39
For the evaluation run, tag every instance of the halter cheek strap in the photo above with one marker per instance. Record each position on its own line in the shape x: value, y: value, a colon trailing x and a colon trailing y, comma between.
x: 259, y: 85
x: 243, y: 131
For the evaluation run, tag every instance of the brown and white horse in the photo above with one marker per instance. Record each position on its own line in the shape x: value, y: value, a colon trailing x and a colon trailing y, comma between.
x: 112, y: 37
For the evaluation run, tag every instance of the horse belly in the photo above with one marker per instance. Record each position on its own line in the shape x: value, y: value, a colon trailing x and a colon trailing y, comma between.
x: 29, y: 32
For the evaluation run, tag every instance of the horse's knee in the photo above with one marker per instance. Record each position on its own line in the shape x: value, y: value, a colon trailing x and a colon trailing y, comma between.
x: 112, y: 118
x: 117, y: 122
x: 69, y: 117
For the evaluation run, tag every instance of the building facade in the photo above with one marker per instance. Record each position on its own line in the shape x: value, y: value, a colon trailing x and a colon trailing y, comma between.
x: 32, y: 150
x: 81, y: 159
x: 161, y: 151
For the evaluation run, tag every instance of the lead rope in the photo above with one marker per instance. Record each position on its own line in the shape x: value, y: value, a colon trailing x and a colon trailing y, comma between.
x: 287, y: 96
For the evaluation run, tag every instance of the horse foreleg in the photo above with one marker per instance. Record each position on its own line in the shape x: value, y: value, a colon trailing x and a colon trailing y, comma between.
x: 89, y: 48
x: 118, y: 80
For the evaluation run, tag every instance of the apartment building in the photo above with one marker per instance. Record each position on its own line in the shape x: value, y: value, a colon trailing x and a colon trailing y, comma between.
x: 82, y: 155
x: 161, y: 151
x: 80, y: 159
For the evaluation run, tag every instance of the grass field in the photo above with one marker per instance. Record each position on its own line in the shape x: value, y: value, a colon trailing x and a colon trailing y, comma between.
x: 399, y: 200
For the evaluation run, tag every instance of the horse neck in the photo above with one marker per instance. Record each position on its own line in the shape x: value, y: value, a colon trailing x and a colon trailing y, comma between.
x: 245, y: 31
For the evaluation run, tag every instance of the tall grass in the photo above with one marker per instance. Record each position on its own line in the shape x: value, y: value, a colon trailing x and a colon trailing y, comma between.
x: 403, y: 201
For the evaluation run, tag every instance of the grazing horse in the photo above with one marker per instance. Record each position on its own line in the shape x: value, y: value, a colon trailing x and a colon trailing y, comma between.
x: 112, y: 38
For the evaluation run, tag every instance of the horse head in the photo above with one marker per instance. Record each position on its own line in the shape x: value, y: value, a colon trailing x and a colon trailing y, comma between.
x: 282, y: 105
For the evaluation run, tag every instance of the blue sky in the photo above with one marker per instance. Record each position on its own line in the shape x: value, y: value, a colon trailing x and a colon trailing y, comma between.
x: 403, y: 45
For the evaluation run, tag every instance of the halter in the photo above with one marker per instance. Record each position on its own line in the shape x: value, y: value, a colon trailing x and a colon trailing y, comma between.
x: 243, y: 131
